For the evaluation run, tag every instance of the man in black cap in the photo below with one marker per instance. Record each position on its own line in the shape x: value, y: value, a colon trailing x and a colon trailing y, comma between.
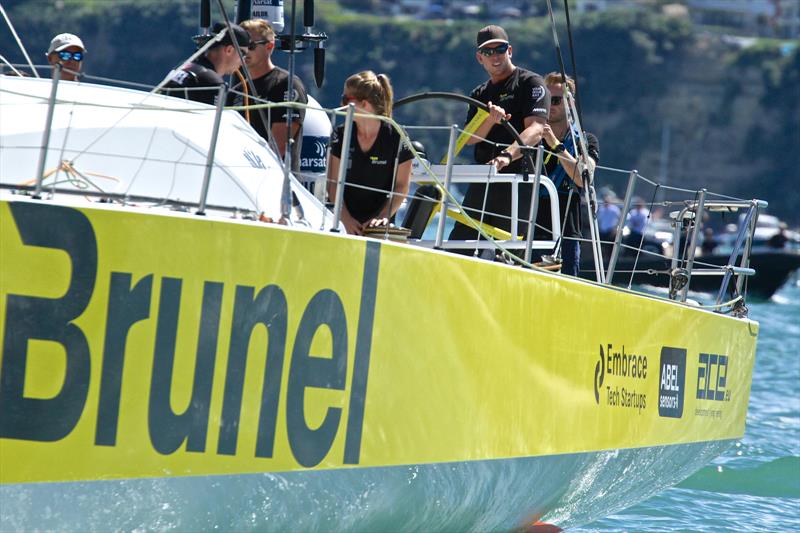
x: 219, y: 60
x: 521, y: 97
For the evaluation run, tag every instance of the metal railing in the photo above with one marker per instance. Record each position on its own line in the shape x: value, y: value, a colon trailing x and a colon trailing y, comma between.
x: 687, y: 221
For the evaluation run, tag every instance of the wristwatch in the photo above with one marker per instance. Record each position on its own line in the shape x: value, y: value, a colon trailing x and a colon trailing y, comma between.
x: 559, y: 148
x: 506, y: 153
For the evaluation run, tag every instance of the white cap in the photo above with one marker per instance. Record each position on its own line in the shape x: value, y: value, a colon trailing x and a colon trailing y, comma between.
x: 65, y: 40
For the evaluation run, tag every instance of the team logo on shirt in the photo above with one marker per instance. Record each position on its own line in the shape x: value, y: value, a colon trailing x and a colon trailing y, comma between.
x: 537, y: 92
x: 294, y: 97
x: 373, y: 159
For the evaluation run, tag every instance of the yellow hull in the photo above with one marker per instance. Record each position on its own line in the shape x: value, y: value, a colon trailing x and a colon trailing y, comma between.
x: 136, y: 345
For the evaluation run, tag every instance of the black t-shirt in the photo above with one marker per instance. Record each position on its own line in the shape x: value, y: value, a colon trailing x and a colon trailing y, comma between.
x: 374, y: 168
x: 273, y: 86
x: 563, y: 183
x: 201, y: 73
x: 523, y: 94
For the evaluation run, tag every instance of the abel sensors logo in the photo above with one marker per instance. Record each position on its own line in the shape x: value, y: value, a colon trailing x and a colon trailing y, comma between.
x: 672, y: 382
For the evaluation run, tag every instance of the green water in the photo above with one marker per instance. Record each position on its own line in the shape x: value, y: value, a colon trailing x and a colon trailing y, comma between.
x: 756, y: 485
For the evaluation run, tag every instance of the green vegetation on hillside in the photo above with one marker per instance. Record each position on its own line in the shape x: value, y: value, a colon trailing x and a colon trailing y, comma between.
x: 733, y: 113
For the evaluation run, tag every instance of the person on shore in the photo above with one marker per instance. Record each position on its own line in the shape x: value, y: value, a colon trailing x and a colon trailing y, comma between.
x: 608, y: 215
x: 271, y: 83
x: 374, y: 190
x: 518, y: 96
x: 709, y: 243
x: 67, y: 50
x: 566, y: 171
x: 636, y: 221
x: 220, y: 59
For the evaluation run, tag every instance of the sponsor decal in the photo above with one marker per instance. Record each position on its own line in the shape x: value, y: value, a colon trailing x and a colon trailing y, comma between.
x: 537, y: 92
x: 672, y: 382
x: 374, y: 160
x: 290, y: 370
x: 254, y: 159
x: 619, y: 378
x: 712, y: 384
x: 312, y: 154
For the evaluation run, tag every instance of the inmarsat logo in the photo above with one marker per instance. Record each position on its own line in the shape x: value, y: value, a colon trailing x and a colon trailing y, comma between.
x: 313, y: 151
x: 672, y: 382
x: 319, y: 148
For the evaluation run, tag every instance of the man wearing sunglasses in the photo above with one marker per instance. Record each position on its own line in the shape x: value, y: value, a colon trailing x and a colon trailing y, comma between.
x: 221, y: 59
x: 67, y: 50
x: 518, y: 96
x: 566, y: 171
x: 271, y: 83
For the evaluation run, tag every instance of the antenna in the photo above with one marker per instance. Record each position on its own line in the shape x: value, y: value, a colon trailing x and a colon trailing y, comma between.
x: 242, y: 10
x: 292, y: 43
x: 205, y: 16
x: 308, y: 14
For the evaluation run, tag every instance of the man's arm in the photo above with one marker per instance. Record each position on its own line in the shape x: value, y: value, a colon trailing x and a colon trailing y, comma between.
x: 574, y: 166
x: 279, y: 133
x: 531, y: 135
x: 496, y: 115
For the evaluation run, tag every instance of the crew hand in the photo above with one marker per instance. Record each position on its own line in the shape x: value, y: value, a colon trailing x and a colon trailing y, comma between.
x: 500, y: 162
x: 549, y: 137
x: 378, y: 223
x: 497, y: 113
x: 351, y: 225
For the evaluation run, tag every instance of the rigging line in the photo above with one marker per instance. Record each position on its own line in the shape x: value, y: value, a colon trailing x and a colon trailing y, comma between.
x: 19, y: 42
x: 555, y: 41
x: 270, y: 138
x: 572, y: 59
x: 64, y: 142
x: 155, y: 89
x: 641, y: 241
x: 7, y: 62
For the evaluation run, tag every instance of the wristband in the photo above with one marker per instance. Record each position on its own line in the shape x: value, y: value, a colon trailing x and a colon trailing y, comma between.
x: 559, y: 148
x: 506, y: 153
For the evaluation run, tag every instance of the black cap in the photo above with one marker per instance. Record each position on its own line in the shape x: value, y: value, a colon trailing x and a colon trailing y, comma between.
x: 242, y: 37
x: 492, y: 34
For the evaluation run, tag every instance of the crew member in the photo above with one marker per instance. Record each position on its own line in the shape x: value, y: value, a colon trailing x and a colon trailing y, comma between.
x: 519, y: 96
x: 220, y: 59
x: 67, y: 50
x: 271, y: 83
x: 376, y: 149
x: 565, y: 171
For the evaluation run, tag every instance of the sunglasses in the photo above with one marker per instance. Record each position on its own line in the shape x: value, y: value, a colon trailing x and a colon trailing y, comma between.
x: 347, y: 99
x: 252, y: 45
x: 66, y: 56
x: 489, y: 52
x: 556, y: 100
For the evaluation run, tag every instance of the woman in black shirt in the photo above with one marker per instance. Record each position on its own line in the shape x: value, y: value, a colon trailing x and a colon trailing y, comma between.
x: 374, y: 190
